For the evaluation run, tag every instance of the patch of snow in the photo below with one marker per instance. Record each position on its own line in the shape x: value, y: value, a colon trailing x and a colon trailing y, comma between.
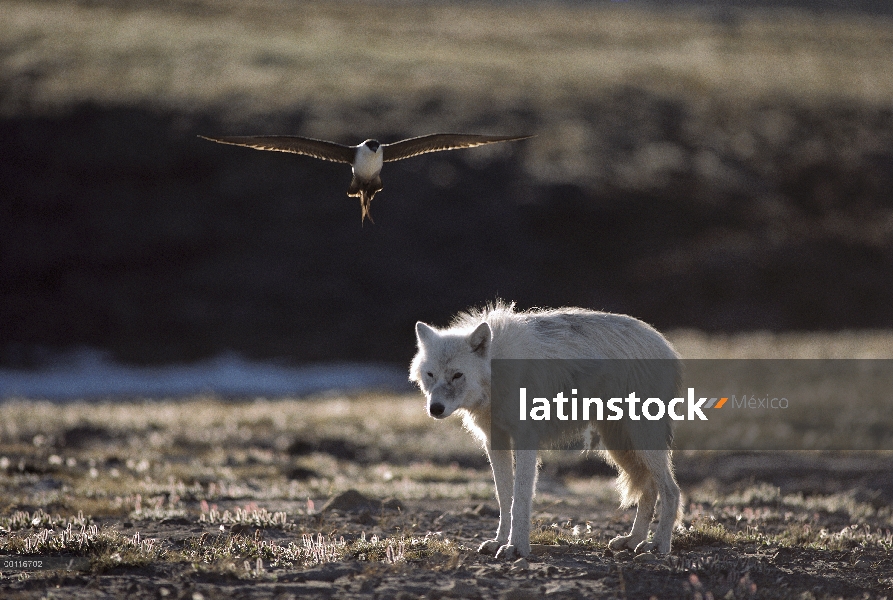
x: 89, y: 374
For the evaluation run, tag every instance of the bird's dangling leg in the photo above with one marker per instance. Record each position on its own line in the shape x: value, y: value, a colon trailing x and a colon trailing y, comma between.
x: 366, y: 192
x: 365, y: 205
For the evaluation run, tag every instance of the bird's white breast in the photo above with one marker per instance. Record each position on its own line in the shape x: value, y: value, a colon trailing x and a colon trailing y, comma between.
x: 367, y: 163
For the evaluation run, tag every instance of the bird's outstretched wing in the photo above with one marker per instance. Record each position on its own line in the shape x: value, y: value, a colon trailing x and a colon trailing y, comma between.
x: 291, y: 143
x: 441, y: 141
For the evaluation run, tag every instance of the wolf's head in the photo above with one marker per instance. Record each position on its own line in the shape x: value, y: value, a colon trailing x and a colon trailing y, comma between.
x: 452, y: 368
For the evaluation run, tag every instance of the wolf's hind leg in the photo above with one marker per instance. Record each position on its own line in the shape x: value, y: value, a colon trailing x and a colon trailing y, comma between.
x: 644, y: 512
x: 635, y: 484
x: 670, y: 507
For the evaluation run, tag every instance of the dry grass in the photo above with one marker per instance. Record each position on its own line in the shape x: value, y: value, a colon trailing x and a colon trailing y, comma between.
x: 844, y: 409
x: 146, y: 459
x: 269, y: 55
x: 765, y: 344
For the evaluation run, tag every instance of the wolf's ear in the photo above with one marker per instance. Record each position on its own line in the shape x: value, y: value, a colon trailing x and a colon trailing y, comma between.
x: 424, y: 333
x: 480, y: 338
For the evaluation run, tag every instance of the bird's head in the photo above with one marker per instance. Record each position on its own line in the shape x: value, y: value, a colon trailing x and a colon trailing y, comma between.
x: 372, y: 145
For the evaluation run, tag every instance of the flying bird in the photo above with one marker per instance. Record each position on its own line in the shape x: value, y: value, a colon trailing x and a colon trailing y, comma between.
x: 366, y: 158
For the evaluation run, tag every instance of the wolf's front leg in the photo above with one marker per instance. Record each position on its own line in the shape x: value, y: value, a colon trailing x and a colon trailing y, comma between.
x: 522, y: 502
x: 501, y: 462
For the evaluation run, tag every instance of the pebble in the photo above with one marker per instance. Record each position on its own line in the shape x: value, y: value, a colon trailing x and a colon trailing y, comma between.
x: 623, y: 555
x: 455, y: 589
x: 646, y: 557
x: 349, y: 501
x: 520, y: 593
x: 562, y: 589
x: 542, y: 549
x: 485, y: 572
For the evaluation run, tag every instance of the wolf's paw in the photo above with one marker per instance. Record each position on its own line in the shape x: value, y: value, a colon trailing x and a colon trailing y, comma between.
x: 490, y: 547
x: 511, y: 552
x: 624, y: 542
x: 652, y: 546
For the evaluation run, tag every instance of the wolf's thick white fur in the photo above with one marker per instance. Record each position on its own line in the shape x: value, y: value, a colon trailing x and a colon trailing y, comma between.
x: 452, y: 367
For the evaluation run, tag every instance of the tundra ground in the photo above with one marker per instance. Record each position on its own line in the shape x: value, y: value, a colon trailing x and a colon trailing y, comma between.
x: 366, y: 496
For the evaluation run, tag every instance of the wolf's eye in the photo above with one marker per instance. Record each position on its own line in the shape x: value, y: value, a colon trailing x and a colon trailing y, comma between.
x: 430, y: 374
x: 457, y: 376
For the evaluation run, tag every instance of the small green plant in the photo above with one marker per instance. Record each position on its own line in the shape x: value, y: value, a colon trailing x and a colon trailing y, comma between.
x: 39, y: 519
x: 849, y: 538
x: 562, y: 534
x: 105, y: 547
x: 706, y: 531
x: 157, y: 511
x: 232, y: 549
x: 392, y: 550
x: 251, y: 514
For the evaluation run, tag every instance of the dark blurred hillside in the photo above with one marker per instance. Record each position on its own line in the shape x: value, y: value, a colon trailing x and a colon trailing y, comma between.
x: 120, y: 229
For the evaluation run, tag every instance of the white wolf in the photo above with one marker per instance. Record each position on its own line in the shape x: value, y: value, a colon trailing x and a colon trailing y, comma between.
x: 453, y: 369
